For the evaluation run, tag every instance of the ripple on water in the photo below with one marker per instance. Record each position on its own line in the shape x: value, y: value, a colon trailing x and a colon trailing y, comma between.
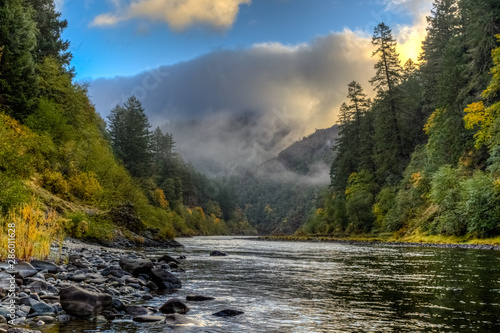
x: 327, y: 287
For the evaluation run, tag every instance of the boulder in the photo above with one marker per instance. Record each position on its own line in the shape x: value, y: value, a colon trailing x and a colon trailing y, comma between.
x: 42, y: 309
x: 228, y: 313
x: 135, y: 310
x: 114, y: 271
x: 164, y: 279
x: 45, y: 265
x: 174, y: 305
x: 79, y: 302
x: 136, y: 266
x: 198, y: 298
x: 166, y: 258
x: 217, y: 254
x: 24, y: 269
x: 148, y: 319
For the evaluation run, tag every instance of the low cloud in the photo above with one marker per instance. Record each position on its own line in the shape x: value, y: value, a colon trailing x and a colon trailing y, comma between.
x: 234, y: 109
x: 178, y: 14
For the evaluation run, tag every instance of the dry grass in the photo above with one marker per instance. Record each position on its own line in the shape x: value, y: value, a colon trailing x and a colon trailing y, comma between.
x: 35, y: 230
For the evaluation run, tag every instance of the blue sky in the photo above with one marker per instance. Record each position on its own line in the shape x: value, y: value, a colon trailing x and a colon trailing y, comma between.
x: 138, y: 43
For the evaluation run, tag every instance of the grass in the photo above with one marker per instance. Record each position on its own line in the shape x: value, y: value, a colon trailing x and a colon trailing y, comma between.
x: 34, y: 229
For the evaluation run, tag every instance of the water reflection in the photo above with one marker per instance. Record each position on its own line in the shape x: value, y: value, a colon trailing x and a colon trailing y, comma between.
x: 311, y: 287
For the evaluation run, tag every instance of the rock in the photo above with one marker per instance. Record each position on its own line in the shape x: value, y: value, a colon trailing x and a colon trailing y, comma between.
x: 63, y: 318
x: 2, y: 320
x: 100, y: 319
x: 148, y: 319
x: 217, y: 254
x: 6, y: 281
x: 46, y: 319
x: 198, y: 298
x: 135, y: 310
x: 173, y: 265
x: 50, y: 299
x: 174, y: 305
x: 24, y: 269
x: 79, y: 302
x: 166, y: 258
x: 36, y: 285
x: 228, y: 313
x: 165, y: 280
x: 182, y: 257
x: 114, y: 271
x: 21, y: 330
x: 42, y: 309
x: 118, y: 305
x: 177, y: 319
x: 136, y: 266
x: 45, y: 265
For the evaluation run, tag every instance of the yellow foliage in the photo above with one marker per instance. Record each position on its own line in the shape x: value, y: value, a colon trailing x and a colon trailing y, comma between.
x: 54, y: 182
x: 268, y: 209
x: 34, y: 232
x: 85, y: 185
x: 159, y: 198
x: 416, y: 178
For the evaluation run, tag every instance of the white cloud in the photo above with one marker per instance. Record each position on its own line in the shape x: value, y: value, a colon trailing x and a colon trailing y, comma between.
x: 178, y: 14
x: 59, y: 5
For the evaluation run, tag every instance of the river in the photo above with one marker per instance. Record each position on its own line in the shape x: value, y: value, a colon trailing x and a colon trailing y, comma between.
x: 328, y: 287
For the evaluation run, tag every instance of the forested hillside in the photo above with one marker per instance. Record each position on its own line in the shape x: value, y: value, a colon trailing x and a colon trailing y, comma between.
x: 279, y: 196
x: 58, y: 168
x: 424, y: 156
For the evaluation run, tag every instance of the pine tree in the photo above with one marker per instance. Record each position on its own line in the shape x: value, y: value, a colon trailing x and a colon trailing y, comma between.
x: 50, y: 27
x: 130, y: 137
x: 18, y: 80
x: 389, y: 152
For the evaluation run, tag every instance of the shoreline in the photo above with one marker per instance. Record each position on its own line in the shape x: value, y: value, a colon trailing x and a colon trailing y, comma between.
x: 91, y: 281
x: 311, y: 239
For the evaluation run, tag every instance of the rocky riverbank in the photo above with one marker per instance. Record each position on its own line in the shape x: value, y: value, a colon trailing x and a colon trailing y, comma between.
x: 94, y: 283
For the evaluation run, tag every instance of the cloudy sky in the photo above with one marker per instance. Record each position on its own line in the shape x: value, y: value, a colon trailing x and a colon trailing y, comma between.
x: 236, y: 81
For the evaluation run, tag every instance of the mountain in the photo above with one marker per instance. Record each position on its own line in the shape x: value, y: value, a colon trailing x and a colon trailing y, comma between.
x: 281, y: 193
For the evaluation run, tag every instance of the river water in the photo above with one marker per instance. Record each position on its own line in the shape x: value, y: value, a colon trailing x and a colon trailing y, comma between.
x: 327, y: 287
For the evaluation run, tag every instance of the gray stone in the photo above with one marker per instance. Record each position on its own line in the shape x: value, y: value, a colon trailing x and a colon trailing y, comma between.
x: 136, y: 266
x: 45, y: 265
x: 24, y: 269
x: 148, y: 319
x: 165, y: 280
x: 174, y: 305
x: 42, y: 309
x: 228, y: 313
x: 79, y: 302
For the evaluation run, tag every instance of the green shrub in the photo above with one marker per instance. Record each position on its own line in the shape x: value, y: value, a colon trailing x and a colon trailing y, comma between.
x: 480, y: 205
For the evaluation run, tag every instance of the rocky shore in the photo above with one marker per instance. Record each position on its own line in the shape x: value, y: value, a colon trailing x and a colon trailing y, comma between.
x: 374, y: 243
x: 93, y: 283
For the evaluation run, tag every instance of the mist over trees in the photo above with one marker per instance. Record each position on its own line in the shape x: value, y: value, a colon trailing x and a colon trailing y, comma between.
x: 429, y: 167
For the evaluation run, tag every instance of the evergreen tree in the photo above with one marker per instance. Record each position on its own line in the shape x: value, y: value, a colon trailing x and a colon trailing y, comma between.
x: 130, y: 137
x: 389, y: 152
x: 50, y: 27
x: 18, y: 80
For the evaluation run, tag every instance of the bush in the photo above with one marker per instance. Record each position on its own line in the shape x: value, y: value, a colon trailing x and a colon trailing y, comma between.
x: 35, y: 230
x: 480, y: 205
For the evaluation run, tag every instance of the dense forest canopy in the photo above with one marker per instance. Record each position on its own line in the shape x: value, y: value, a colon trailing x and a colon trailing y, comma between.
x: 422, y: 164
